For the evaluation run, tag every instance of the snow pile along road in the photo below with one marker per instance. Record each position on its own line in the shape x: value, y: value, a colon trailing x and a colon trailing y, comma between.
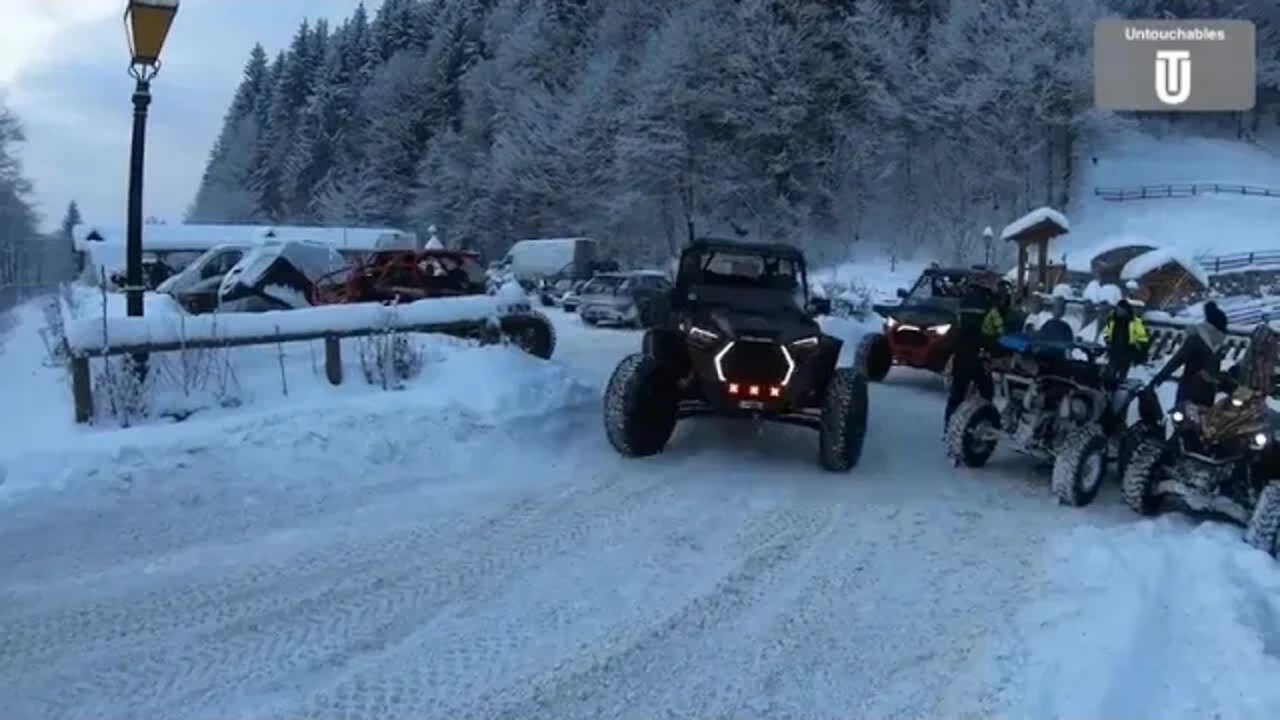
x: 1151, y: 620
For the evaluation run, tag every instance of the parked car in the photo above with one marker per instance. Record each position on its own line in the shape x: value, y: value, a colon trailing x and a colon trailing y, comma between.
x: 196, y: 287
x: 635, y: 298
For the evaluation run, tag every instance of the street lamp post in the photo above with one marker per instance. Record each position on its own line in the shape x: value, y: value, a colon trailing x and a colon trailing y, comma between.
x: 147, y: 24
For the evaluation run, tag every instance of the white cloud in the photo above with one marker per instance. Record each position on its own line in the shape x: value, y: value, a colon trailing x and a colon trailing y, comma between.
x: 33, y: 29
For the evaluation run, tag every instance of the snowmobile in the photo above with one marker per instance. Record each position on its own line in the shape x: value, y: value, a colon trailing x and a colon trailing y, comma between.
x: 1054, y: 407
x: 738, y: 339
x: 1219, y: 461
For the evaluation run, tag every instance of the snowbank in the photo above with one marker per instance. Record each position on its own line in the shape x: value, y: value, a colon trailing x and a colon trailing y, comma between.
x: 1149, y: 620
x: 1138, y: 267
x: 87, y: 334
x: 1033, y: 218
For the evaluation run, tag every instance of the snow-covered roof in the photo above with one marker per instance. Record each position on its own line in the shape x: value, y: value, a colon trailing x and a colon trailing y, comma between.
x: 1138, y: 267
x: 160, y: 237
x: 1033, y: 218
x: 1103, y: 294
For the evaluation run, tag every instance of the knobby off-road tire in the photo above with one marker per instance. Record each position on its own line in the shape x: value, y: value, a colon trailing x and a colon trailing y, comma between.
x: 640, y: 406
x: 844, y: 421
x: 1080, y: 467
x: 1138, y: 484
x: 874, y: 357
x: 1264, y: 527
x: 532, y: 332
x: 962, y: 441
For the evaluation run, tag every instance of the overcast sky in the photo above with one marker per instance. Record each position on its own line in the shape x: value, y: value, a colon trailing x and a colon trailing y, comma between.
x: 63, y: 70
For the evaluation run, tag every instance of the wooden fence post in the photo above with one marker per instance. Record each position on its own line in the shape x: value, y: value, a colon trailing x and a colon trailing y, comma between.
x: 82, y: 388
x: 333, y: 359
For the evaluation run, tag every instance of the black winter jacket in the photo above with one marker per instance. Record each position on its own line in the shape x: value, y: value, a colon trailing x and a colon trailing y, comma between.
x: 1200, y: 358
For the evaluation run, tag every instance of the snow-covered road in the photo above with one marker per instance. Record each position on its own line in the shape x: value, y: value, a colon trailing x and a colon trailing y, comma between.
x: 403, y: 561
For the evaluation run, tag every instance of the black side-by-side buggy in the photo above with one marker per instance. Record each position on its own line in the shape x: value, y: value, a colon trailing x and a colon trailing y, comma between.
x: 738, y: 340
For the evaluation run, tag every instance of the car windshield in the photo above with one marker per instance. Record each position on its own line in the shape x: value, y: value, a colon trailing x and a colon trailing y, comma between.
x: 607, y: 285
x: 748, y: 270
x: 938, y: 289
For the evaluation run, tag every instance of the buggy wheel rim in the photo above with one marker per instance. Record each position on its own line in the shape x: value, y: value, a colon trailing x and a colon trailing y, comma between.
x: 979, y: 438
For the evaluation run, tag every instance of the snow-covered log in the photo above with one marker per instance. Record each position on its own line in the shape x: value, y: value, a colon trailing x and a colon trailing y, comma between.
x: 90, y: 336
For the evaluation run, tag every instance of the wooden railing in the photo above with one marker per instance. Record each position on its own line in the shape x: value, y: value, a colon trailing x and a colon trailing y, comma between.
x: 480, y: 318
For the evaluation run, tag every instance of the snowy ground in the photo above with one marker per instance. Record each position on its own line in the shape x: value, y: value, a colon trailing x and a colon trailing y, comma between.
x: 472, y: 547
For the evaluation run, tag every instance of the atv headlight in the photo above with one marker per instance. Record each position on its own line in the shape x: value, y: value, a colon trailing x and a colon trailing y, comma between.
x: 807, y: 342
x: 891, y: 323
x: 940, y: 329
x: 1177, y: 416
x: 1259, y: 441
x: 1237, y: 402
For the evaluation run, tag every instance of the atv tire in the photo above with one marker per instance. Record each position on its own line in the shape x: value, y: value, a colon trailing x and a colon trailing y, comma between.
x: 1138, y: 484
x: 1080, y: 467
x: 844, y: 421
x: 1264, y: 527
x: 640, y: 406
x: 874, y: 357
x: 532, y: 332
x: 963, y: 444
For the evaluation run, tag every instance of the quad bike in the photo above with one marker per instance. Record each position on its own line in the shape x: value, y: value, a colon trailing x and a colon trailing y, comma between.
x: 1218, y: 461
x: 739, y: 341
x: 1057, y: 409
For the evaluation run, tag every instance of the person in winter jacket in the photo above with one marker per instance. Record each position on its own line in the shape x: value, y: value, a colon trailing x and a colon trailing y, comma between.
x: 1200, y: 358
x: 978, y: 330
x: 1127, y: 341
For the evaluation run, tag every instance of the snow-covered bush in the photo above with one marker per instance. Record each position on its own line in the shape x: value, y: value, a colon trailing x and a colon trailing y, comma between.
x: 54, y: 332
x: 389, y: 359
x: 121, y: 392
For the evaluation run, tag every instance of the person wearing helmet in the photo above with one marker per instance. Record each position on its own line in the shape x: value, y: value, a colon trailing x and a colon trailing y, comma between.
x: 1126, y: 338
x: 1200, y: 359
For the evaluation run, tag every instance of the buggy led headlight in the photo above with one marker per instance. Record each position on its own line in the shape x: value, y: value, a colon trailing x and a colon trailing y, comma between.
x: 718, y: 361
x: 806, y: 342
x: 791, y: 365
x: 940, y: 329
x: 702, y: 334
x: 1260, y: 441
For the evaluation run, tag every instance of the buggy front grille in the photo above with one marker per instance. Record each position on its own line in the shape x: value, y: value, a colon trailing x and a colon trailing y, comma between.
x: 755, y: 362
x: 911, y: 338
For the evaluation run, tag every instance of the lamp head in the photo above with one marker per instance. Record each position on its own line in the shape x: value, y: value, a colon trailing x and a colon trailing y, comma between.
x: 147, y: 24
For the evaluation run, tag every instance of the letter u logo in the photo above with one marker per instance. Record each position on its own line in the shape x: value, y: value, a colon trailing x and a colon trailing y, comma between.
x: 1173, y: 76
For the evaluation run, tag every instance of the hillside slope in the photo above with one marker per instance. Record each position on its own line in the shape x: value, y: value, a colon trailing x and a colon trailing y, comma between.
x: 1212, y: 224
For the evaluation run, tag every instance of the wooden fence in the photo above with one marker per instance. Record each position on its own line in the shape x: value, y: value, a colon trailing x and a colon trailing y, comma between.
x: 82, y: 346
x: 1229, y: 262
x: 1181, y: 190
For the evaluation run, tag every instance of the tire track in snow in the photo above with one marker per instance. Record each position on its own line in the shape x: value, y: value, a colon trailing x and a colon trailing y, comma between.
x: 261, y: 638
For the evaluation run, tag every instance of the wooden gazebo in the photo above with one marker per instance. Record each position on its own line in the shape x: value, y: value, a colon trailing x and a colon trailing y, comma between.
x: 1035, y: 230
